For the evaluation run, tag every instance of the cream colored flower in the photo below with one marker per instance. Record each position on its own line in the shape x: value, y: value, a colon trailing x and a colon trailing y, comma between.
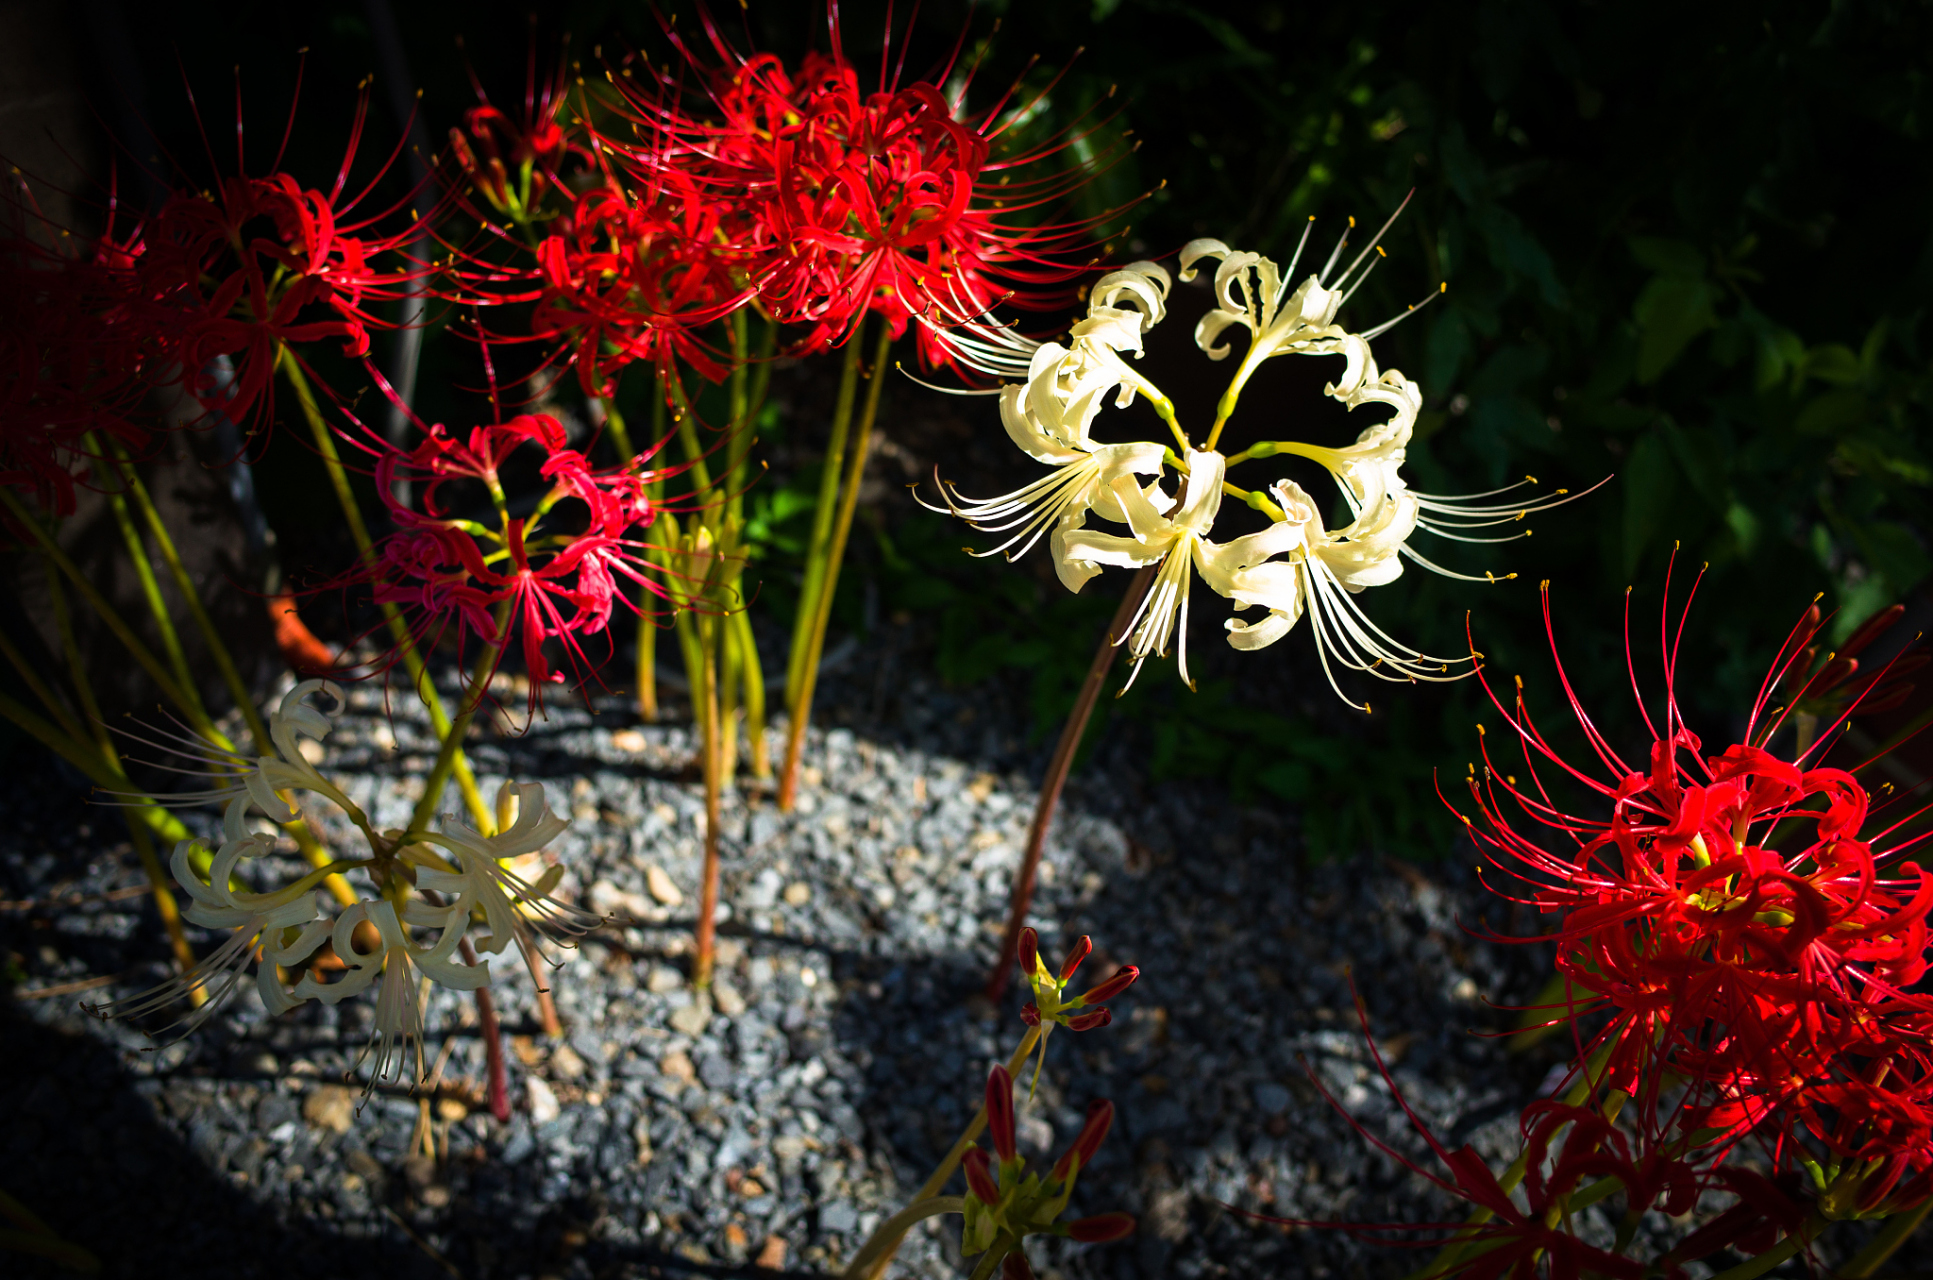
x: 1313, y: 575
x: 481, y: 881
x: 287, y: 769
x: 398, y: 1027
x: 1176, y: 541
x: 256, y: 920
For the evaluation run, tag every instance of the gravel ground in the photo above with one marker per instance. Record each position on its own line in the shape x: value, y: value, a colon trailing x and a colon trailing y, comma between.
x: 775, y: 1126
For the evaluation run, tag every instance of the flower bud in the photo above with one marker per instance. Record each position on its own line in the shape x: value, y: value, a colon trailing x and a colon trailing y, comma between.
x: 1123, y: 979
x: 1000, y: 1113
x: 1101, y: 1228
x: 1100, y: 1118
x: 1015, y: 1267
x: 1029, y: 953
x: 1030, y: 1014
x: 1074, y: 957
x: 979, y: 1175
x: 1088, y: 1021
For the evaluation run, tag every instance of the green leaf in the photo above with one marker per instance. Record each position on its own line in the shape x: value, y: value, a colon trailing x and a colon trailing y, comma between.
x: 1832, y: 414
x: 1668, y: 257
x: 1832, y: 362
x: 1670, y: 313
x: 1650, y: 489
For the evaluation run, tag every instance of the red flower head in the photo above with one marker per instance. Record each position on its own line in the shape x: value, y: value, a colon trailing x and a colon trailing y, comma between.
x: 548, y: 574
x: 628, y: 277
x: 514, y: 164
x: 74, y: 368
x: 261, y: 263
x: 894, y: 202
x: 1733, y: 914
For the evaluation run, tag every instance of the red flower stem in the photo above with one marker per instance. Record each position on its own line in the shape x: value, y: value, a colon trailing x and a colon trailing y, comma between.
x: 882, y: 1245
x: 425, y: 688
x: 1057, y: 770
x: 801, y: 709
x: 705, y: 939
x: 492, y: 1031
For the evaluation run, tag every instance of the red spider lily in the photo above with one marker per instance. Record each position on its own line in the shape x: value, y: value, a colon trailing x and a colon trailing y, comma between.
x: 1823, y: 685
x: 260, y: 263
x: 891, y: 202
x: 1734, y: 916
x: 515, y: 164
x: 73, y: 366
x: 1083, y: 1012
x: 628, y: 278
x: 551, y: 574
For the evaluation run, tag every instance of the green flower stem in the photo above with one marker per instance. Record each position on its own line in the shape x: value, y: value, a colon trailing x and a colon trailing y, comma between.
x: 822, y: 515
x: 31, y: 1234
x: 151, y: 593
x: 185, y: 585
x: 801, y: 703
x: 325, y: 444
x: 730, y: 685
x: 99, y: 760
x: 752, y: 673
x: 895, y: 1227
x: 450, y: 750
x: 884, y: 1242
x: 1808, y: 1232
x: 62, y: 718
x: 1895, y: 1233
x: 996, y: 1253
x: 60, y: 559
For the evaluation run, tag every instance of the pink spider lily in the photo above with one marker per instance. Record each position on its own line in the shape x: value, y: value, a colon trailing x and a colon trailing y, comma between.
x: 550, y: 573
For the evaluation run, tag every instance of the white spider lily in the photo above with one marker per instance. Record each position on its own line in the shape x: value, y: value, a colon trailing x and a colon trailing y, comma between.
x: 398, y: 1025
x: 257, y: 920
x: 1178, y: 542
x: 259, y: 779
x: 1319, y: 574
x: 481, y: 881
x: 1122, y: 306
x: 1252, y: 292
x: 1050, y: 414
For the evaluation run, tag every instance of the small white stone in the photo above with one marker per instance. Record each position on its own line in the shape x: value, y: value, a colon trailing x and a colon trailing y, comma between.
x: 662, y: 887
x: 730, y: 1003
x: 693, y: 1018
x: 797, y: 894
x: 663, y: 980
x: 543, y: 1101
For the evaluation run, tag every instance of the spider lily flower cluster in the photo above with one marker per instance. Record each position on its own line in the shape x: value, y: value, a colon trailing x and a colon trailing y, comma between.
x: 1740, y: 948
x: 1749, y: 922
x: 431, y: 891
x: 1294, y: 566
